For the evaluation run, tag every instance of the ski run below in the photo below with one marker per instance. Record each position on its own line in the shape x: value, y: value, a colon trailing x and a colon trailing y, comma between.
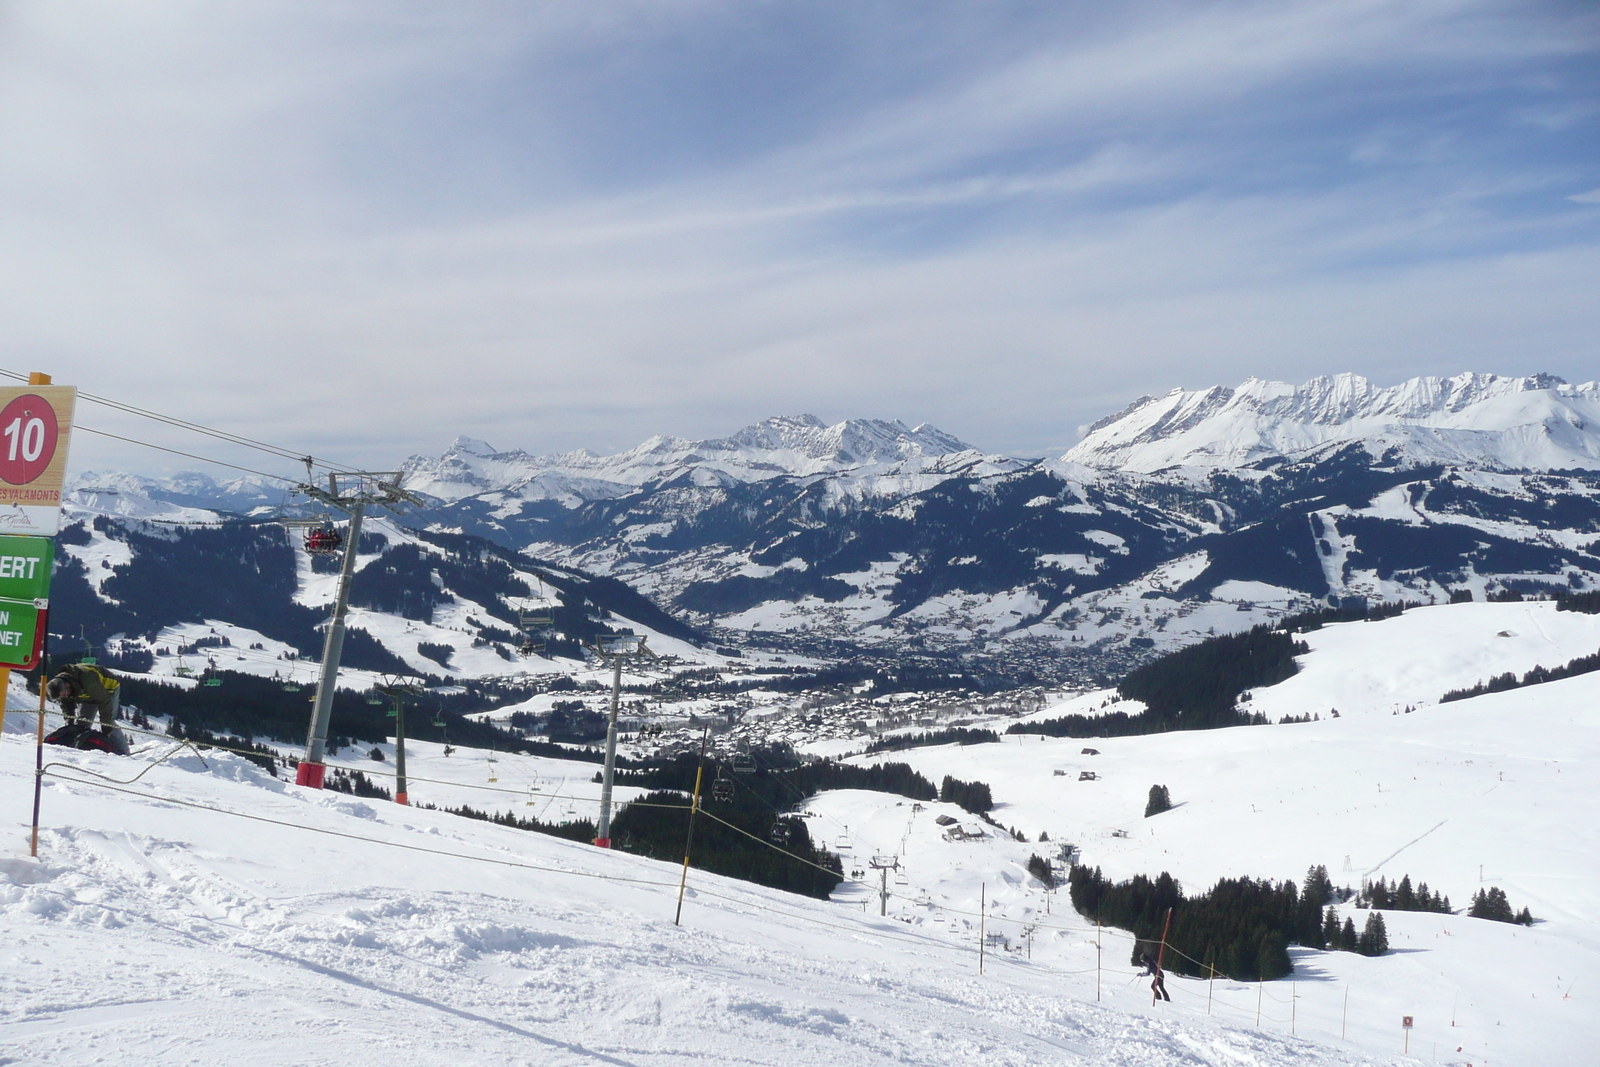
x: 207, y: 912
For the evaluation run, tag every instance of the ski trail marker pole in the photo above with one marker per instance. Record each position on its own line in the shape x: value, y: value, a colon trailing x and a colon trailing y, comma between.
x: 683, y: 880
x: 38, y: 760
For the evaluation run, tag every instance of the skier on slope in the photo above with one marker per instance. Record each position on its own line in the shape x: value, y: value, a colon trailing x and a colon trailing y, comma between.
x: 1152, y: 969
x: 81, y: 689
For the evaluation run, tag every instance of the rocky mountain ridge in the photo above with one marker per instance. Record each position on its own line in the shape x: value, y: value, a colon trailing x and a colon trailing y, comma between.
x: 1536, y: 422
x: 791, y: 533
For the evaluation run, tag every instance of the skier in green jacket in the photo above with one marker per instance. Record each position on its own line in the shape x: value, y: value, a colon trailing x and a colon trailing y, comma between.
x: 83, y: 689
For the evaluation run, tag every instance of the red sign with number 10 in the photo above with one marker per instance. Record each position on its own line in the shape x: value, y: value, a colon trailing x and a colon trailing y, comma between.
x: 28, y: 436
x: 35, y: 431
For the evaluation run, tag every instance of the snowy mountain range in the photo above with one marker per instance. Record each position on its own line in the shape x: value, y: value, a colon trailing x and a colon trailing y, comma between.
x: 1481, y: 420
x: 1195, y: 513
x: 857, y: 450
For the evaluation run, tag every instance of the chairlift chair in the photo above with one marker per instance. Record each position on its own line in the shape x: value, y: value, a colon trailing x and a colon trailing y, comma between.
x: 743, y: 763
x: 374, y: 697
x: 323, y: 541
x: 722, y: 788
x: 779, y: 833
x: 493, y: 774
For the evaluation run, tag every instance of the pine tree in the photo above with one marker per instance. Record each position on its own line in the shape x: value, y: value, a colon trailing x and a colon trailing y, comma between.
x: 1318, y: 886
x: 1160, y: 801
x: 1308, y: 920
x: 1405, y: 898
x: 1375, y: 938
x: 1491, y: 903
x: 1348, y: 940
x: 1330, y: 929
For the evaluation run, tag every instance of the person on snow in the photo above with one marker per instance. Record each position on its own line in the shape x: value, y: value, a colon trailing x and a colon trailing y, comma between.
x: 83, y: 689
x: 1158, y: 987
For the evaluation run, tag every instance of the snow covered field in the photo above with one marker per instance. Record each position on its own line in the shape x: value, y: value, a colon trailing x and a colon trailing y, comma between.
x: 335, y: 930
x: 356, y: 931
x: 1499, y: 790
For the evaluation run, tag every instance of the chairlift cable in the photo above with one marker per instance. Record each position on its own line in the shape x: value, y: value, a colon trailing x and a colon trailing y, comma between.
x: 187, y: 455
x: 185, y: 424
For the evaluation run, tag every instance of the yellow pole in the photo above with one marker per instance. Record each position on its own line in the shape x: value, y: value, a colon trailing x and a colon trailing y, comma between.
x: 683, y: 881
x: 5, y: 688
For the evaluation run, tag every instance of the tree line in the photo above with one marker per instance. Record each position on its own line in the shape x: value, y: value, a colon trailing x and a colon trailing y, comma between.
x: 1194, y: 688
x: 1540, y: 674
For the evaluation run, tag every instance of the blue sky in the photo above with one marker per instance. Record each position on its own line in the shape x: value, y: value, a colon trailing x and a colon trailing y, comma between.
x: 363, y: 228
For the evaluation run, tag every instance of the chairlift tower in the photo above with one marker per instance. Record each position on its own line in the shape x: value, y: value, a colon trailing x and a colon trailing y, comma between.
x: 398, y: 691
x: 883, y: 865
x: 352, y: 492
x: 613, y: 650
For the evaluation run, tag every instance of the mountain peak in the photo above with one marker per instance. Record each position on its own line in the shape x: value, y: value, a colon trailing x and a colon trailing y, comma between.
x: 472, y: 447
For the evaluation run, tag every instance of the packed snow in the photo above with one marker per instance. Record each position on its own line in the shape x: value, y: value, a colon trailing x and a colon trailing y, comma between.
x: 208, y: 913
x: 161, y: 922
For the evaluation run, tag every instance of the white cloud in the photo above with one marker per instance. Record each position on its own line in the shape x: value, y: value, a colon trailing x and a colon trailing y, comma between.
x: 366, y: 229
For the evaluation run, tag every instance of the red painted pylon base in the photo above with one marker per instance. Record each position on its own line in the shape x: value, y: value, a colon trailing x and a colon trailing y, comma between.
x: 400, y: 798
x: 602, y: 842
x: 310, y: 774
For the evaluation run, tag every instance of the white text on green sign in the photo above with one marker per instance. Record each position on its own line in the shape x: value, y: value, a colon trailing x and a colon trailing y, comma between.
x: 25, y: 566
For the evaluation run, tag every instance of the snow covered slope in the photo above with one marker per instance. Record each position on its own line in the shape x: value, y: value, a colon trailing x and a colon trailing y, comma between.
x: 1537, y: 422
x: 1499, y: 790
x: 209, y: 914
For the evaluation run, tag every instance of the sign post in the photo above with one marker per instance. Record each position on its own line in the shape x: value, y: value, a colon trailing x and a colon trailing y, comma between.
x: 35, y: 430
x: 1405, y: 1024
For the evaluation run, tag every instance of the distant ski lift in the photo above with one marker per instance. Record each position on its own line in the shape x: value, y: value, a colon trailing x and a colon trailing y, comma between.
x: 323, y: 541
x: 722, y: 789
x: 531, y: 648
x: 843, y: 840
x: 290, y: 687
x: 743, y: 763
x: 374, y: 697
x: 493, y: 775
x: 212, y: 683
x: 779, y: 833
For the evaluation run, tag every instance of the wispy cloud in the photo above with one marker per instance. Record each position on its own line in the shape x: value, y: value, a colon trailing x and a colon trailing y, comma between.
x: 368, y: 227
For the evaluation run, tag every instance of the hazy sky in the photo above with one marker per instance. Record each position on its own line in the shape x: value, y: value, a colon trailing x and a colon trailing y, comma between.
x: 361, y: 228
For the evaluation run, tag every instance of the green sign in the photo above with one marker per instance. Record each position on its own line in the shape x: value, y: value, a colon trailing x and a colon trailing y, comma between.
x: 19, y: 629
x: 25, y: 566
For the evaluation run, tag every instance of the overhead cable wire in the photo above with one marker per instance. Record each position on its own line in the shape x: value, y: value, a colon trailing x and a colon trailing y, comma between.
x: 188, y: 455
x: 195, y: 427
